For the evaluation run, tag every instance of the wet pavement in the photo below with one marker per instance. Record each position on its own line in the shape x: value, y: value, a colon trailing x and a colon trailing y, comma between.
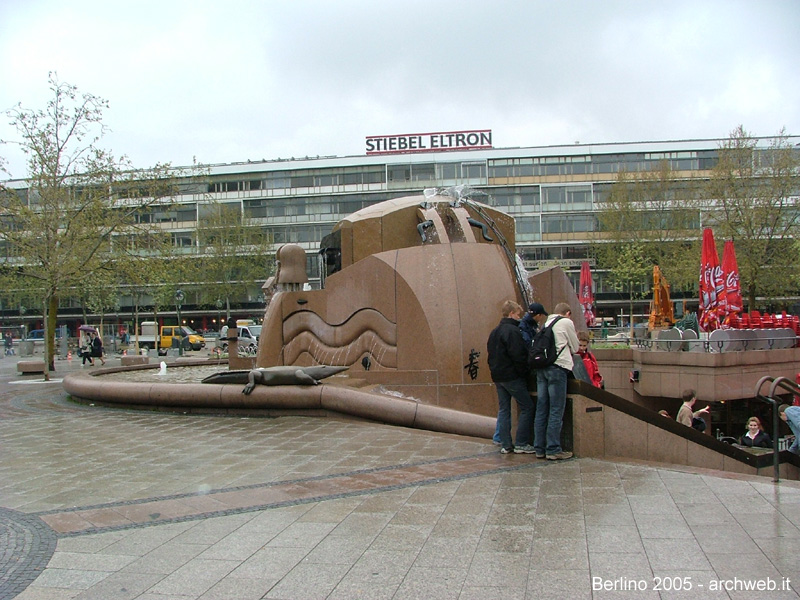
x: 107, y: 504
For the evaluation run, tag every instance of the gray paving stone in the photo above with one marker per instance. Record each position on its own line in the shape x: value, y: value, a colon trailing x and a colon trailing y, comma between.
x: 531, y: 530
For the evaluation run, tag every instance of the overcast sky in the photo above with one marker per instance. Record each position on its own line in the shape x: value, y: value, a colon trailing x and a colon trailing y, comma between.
x: 235, y: 80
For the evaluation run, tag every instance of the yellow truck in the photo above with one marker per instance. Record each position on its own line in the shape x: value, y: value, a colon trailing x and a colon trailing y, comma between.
x: 148, y: 338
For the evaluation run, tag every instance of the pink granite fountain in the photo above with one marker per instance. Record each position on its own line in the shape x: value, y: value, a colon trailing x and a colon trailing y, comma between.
x: 412, y: 288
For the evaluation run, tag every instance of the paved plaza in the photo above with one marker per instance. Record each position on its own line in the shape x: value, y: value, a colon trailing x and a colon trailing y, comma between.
x: 105, y: 504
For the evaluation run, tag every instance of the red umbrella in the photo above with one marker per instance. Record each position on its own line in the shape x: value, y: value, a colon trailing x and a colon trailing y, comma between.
x: 585, y: 294
x: 712, y: 285
x: 730, y: 276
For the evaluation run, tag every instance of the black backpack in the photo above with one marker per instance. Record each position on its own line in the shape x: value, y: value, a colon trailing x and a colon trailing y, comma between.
x: 543, y: 350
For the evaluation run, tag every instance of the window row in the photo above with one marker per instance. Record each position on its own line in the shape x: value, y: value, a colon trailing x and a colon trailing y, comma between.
x: 570, y: 223
x: 600, y: 163
x: 307, y: 178
x: 537, y: 198
x: 294, y: 234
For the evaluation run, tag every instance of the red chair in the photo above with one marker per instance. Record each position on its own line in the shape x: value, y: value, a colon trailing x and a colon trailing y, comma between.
x: 767, y: 321
x: 744, y: 319
x: 755, y: 319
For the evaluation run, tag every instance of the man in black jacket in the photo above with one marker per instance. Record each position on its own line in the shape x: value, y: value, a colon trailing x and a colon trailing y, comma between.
x: 508, y: 364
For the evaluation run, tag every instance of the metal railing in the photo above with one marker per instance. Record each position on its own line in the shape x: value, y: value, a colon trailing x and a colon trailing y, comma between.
x: 789, y: 386
x: 703, y: 345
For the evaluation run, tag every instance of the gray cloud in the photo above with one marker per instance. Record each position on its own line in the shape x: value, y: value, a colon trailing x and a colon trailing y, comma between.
x: 248, y: 80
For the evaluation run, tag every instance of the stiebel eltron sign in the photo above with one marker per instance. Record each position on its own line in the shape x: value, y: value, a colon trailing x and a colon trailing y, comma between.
x: 479, y: 139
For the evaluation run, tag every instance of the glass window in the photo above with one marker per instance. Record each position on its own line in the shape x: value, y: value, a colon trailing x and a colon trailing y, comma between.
x: 192, y: 188
x: 567, y: 223
x: 352, y: 179
x: 553, y: 198
x: 473, y: 170
x: 187, y: 212
x: 515, y: 196
x: 375, y: 177
x: 527, y: 225
x: 326, y: 180
x: 399, y: 172
x: 423, y: 172
x: 447, y: 170
x: 278, y: 180
x: 182, y: 240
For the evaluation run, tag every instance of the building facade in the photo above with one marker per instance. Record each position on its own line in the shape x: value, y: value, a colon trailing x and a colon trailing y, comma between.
x: 553, y: 192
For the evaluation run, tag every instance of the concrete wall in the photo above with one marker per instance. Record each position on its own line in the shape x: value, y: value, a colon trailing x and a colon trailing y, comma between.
x: 612, y: 428
x: 714, y: 376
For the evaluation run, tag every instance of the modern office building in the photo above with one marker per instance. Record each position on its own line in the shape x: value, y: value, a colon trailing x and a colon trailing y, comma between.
x: 553, y: 192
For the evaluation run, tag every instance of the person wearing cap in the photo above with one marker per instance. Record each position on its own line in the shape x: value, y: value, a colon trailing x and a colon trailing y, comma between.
x: 508, y: 365
x: 528, y: 325
x: 551, y: 385
x: 791, y: 415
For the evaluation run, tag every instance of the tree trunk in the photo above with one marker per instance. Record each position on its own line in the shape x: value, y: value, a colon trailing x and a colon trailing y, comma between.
x: 51, y: 316
x: 630, y: 297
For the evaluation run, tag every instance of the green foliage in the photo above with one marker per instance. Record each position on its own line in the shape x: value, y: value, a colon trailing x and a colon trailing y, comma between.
x: 754, y: 195
x: 232, y: 253
x: 62, y: 231
x: 650, y: 218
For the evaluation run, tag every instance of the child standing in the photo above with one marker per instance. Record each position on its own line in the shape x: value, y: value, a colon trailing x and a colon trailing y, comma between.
x: 589, y: 361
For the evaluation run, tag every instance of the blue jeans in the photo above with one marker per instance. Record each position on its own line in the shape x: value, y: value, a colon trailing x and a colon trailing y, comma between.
x: 518, y: 389
x: 551, y: 391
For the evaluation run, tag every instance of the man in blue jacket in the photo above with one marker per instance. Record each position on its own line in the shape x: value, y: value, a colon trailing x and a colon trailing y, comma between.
x: 791, y: 414
x: 508, y: 365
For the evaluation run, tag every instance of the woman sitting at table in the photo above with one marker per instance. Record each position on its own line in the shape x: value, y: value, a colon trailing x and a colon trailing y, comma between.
x: 755, y: 437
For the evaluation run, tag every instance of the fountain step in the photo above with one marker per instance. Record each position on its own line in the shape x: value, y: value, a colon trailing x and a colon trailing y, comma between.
x: 30, y: 366
x: 127, y: 361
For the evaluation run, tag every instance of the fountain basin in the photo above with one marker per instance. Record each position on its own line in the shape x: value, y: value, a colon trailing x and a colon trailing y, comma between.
x: 335, y: 396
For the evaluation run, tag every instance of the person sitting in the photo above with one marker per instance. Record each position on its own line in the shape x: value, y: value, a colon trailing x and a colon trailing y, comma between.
x: 589, y: 361
x: 755, y: 437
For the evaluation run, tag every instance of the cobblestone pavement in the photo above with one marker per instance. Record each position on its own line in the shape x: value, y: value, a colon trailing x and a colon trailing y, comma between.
x: 97, y: 503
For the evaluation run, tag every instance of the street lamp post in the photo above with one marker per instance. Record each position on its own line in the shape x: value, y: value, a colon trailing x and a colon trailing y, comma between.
x: 179, y: 297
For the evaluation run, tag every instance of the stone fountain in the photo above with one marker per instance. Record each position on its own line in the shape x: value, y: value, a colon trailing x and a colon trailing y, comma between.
x: 412, y: 288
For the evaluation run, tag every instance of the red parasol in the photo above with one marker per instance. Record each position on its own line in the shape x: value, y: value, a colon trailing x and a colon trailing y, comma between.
x: 586, y: 295
x: 730, y: 277
x: 711, y: 284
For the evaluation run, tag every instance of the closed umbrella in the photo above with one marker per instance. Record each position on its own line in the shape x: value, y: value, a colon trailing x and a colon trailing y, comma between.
x: 586, y: 295
x: 711, y: 284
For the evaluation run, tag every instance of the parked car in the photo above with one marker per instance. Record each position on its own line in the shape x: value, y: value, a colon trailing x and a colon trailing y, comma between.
x: 37, y: 335
x: 248, y: 337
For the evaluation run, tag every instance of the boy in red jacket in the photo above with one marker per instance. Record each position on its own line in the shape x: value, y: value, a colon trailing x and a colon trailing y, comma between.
x: 589, y: 361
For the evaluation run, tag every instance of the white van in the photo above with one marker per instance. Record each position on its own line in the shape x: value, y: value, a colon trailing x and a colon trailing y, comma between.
x: 248, y: 337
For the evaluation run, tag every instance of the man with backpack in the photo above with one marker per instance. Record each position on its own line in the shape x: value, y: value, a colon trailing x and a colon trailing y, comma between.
x: 508, y: 365
x: 551, y: 357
